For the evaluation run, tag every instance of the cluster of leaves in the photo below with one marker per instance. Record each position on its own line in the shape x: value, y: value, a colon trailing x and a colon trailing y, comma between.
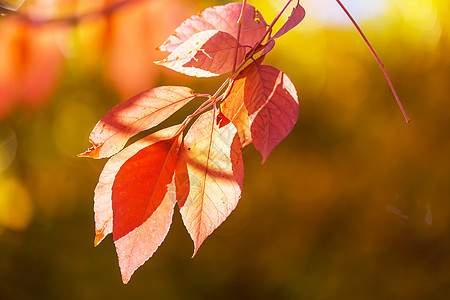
x: 203, y: 171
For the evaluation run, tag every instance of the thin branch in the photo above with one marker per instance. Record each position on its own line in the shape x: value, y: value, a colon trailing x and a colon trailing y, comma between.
x: 380, y: 63
x: 254, y: 50
x: 239, y: 22
x: 74, y: 20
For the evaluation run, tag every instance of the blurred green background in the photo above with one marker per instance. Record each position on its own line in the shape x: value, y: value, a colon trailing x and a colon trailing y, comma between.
x: 353, y: 204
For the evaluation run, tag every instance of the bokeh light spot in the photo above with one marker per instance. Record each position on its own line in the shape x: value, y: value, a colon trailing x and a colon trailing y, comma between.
x: 16, y: 209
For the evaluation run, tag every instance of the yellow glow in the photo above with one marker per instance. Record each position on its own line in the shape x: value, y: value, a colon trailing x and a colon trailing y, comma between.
x: 420, y: 14
x: 16, y: 209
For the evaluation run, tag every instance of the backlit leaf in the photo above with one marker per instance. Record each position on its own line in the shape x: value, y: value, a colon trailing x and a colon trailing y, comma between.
x: 222, y: 18
x: 212, y: 159
x: 135, y: 248
x: 205, y: 54
x: 234, y: 109
x: 103, y: 206
x: 297, y: 15
x: 134, y: 115
x: 141, y: 184
x: 271, y: 102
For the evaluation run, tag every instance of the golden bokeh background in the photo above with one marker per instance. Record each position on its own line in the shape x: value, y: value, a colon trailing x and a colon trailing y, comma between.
x: 353, y: 204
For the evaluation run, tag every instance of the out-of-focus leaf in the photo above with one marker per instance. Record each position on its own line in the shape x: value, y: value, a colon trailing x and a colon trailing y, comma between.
x: 129, y: 38
x: 30, y: 61
x: 10, y: 5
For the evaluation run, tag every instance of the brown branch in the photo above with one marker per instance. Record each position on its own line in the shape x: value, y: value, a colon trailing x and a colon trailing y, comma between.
x: 75, y: 19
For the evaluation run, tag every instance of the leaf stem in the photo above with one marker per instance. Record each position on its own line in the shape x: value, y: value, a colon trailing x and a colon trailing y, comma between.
x: 199, y: 110
x: 380, y: 63
x: 253, y: 51
x: 238, y: 37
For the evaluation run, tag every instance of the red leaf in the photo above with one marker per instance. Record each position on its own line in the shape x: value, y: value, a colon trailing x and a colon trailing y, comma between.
x: 271, y: 101
x: 205, y: 54
x: 141, y: 185
x: 222, y: 18
x: 103, y: 207
x: 135, y: 198
x: 134, y: 115
x: 297, y: 15
x: 134, y: 249
x: 212, y: 159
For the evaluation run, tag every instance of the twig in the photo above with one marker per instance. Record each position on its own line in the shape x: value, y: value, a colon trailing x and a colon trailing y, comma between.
x: 380, y: 63
x: 239, y: 22
x: 74, y: 20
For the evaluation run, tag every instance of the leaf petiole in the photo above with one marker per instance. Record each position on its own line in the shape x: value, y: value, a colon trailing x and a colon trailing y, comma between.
x: 239, y: 21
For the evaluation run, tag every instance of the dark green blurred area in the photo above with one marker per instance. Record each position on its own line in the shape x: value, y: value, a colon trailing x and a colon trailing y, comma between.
x: 353, y: 204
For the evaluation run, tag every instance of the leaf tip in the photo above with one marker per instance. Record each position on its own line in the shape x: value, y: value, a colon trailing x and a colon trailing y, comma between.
x: 264, y: 156
x: 99, y: 235
x: 195, y: 251
x: 93, y: 152
x: 197, y: 244
x: 125, y: 279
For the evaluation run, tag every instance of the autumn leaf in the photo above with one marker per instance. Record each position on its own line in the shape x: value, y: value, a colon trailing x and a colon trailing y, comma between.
x: 103, y: 207
x: 134, y: 115
x: 134, y: 249
x: 271, y: 102
x: 234, y: 109
x: 297, y: 15
x: 212, y: 159
x: 135, y: 198
x: 205, y: 54
x: 141, y: 184
x: 222, y: 18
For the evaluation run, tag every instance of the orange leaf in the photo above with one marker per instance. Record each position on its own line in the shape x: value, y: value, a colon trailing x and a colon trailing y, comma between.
x: 271, y: 102
x: 134, y: 115
x: 212, y: 159
x: 234, y: 109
